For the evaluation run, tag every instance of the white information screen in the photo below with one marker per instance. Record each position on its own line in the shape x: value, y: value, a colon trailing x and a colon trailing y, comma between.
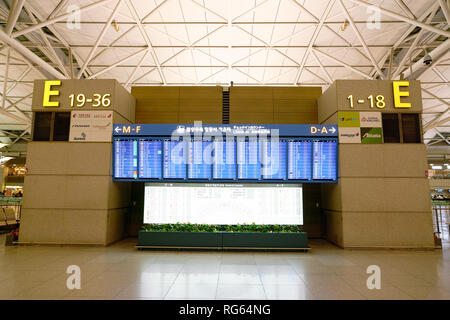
x: 223, y: 203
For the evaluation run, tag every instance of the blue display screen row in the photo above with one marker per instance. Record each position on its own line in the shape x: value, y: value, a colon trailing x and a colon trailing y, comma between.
x: 237, y: 159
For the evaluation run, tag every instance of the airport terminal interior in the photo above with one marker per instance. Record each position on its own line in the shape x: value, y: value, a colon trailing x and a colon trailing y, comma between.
x: 224, y: 150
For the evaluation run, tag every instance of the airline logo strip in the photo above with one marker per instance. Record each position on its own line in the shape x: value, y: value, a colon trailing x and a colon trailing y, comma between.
x: 91, y: 126
x: 360, y: 127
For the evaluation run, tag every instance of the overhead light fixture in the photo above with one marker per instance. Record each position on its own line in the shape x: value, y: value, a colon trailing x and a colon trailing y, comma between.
x: 436, y: 167
x: 344, y: 25
x: 4, y: 159
x: 115, y: 25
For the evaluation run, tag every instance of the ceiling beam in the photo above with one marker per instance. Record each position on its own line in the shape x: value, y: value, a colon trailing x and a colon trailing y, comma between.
x: 414, y: 44
x: 405, y: 8
x: 438, y: 119
x: 50, y: 21
x: 5, y: 81
x: 324, y: 71
x: 344, y: 64
x: 117, y: 63
x: 13, y: 15
x: 99, y: 39
x: 406, y: 19
x: 287, y: 22
x: 313, y: 39
x: 30, y: 56
x: 419, y: 67
x: 57, y: 9
x: 440, y: 135
x: 135, y: 70
x: 445, y: 10
x: 144, y: 35
x: 14, y: 117
x: 56, y: 33
x: 361, y: 40
x: 49, y: 48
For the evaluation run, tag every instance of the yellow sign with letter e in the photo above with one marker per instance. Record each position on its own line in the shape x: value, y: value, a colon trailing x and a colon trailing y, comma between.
x: 398, y: 94
x: 48, y: 93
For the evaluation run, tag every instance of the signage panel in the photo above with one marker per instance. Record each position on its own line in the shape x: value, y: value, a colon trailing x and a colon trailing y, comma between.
x: 348, y: 119
x: 91, y: 126
x: 349, y: 135
x: 379, y: 95
x: 370, y: 119
x: 74, y: 94
x: 371, y: 135
x: 360, y: 127
x: 284, y: 130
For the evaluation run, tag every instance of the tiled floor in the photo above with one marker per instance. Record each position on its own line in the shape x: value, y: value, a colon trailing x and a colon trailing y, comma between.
x: 122, y: 272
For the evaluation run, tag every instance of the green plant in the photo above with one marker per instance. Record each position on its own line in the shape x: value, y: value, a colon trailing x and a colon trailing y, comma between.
x: 188, y: 227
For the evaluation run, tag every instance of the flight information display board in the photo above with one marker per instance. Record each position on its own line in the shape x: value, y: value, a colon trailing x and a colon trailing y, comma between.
x: 287, y: 160
x: 299, y: 160
x: 273, y: 158
x: 248, y: 159
x: 174, y: 163
x: 231, y: 203
x: 324, y: 160
x: 150, y: 157
x: 225, y: 153
x: 125, y: 158
x: 199, y: 161
x: 224, y: 167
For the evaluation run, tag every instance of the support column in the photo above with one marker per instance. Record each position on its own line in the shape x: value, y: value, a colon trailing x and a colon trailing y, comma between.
x: 382, y: 197
x: 69, y: 195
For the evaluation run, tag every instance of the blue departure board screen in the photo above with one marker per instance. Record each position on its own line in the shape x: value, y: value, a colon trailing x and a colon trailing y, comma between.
x: 233, y: 159
x: 248, y: 159
x: 299, y: 160
x: 125, y: 158
x: 150, y: 159
x: 273, y: 158
x: 199, y: 159
x: 224, y: 164
x: 324, y: 160
x: 174, y: 162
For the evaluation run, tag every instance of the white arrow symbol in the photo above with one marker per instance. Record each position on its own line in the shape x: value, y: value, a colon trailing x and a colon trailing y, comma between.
x: 333, y: 129
x: 117, y: 130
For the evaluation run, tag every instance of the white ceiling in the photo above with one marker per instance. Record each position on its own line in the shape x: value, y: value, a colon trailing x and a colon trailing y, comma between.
x: 212, y: 42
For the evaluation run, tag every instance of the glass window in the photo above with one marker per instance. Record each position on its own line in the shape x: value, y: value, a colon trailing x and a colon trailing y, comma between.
x: 42, y: 126
x: 391, y: 130
x: 61, y: 126
x: 411, y: 128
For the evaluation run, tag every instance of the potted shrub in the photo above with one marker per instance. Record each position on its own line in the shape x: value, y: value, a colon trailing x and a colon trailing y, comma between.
x: 223, y: 236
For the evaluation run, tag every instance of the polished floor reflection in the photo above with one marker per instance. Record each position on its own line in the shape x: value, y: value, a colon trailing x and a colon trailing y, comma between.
x: 122, y: 272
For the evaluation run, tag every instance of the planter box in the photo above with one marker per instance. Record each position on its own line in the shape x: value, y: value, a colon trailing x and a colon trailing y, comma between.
x: 265, y: 240
x: 180, y: 239
x: 282, y: 240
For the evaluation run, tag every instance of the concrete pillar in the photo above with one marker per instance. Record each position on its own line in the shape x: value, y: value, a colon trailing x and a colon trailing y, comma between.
x: 382, y: 197
x: 69, y: 195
